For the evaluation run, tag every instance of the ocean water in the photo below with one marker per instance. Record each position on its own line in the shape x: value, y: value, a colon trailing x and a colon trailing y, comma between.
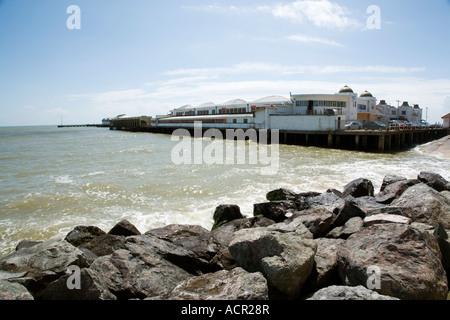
x: 53, y: 179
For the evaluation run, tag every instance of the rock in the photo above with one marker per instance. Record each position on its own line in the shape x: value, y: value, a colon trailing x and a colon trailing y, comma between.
x: 443, y: 237
x: 391, y: 210
x: 348, y: 293
x: 423, y: 204
x: 14, y: 291
x: 92, y: 287
x: 275, y: 210
x: 392, y: 192
x: 328, y: 201
x: 236, y: 284
x: 434, y: 180
x: 348, y: 211
x: 27, y: 244
x: 226, y: 213
x: 124, y: 228
x: 83, y: 234
x: 301, y: 199
x: 140, y: 271
x: 280, y: 194
x: 284, y: 258
x: 409, y: 262
x: 43, y: 263
x: 196, y: 240
x: 318, y: 221
x: 390, y: 179
x: 325, y: 272
x: 350, y: 227
x: 385, y: 218
x: 366, y: 204
x: 104, y: 245
x: 359, y: 188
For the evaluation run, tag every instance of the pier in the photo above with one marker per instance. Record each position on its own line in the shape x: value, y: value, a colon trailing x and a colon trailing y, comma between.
x: 361, y: 140
x: 83, y: 125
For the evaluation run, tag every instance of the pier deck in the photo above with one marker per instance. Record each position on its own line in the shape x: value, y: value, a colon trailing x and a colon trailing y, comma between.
x: 363, y: 140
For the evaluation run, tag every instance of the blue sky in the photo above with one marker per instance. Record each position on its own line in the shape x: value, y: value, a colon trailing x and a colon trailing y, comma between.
x: 145, y: 57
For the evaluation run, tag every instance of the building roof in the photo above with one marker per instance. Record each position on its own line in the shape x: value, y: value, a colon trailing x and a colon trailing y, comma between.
x: 346, y: 89
x: 447, y: 116
x: 366, y: 94
x: 233, y: 102
x: 272, y: 99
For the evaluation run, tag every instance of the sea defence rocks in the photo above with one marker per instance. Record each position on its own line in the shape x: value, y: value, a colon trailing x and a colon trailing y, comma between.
x: 349, y: 244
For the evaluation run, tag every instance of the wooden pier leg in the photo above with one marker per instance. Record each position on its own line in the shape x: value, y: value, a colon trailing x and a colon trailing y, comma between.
x: 388, y: 142
x: 365, y: 141
x: 381, y: 143
x: 357, y: 141
x: 307, y: 139
x: 330, y: 140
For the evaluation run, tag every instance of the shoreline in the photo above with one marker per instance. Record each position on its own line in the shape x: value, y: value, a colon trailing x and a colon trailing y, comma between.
x: 296, y: 246
x: 439, y: 148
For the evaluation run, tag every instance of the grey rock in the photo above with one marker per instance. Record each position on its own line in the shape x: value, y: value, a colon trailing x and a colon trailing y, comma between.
x: 423, y: 204
x: 236, y: 284
x: 350, y: 227
x: 434, y: 180
x: 274, y: 210
x: 385, y: 218
x: 280, y: 194
x: 317, y: 221
x: 408, y: 260
x: 93, y: 286
x: 390, y: 179
x: 14, y: 291
x: 348, y: 293
x: 284, y: 258
x: 124, y: 228
x: 104, y: 244
x: 43, y: 263
x: 359, y: 188
x: 139, y: 270
x: 226, y: 213
x: 83, y: 234
x: 325, y: 269
x: 27, y: 244
x: 392, y: 192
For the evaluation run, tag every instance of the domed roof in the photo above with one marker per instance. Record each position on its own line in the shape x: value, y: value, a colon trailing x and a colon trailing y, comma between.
x: 366, y: 94
x: 346, y: 89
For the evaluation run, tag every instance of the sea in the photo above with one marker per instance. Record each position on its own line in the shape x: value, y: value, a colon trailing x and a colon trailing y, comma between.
x: 54, y: 179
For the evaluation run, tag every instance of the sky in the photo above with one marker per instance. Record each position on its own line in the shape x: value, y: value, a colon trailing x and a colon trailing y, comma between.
x: 145, y: 57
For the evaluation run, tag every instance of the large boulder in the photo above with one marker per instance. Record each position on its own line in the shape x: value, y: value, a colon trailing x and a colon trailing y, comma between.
x: 348, y: 293
x: 390, y: 179
x: 359, y: 188
x: 140, y: 270
x: 328, y: 200
x: 318, y: 221
x: 280, y: 194
x: 325, y: 271
x: 423, y: 204
x: 274, y: 210
x: 286, y: 259
x: 408, y: 261
x: 434, y: 180
x: 385, y: 218
x: 350, y: 227
x: 92, y: 287
x: 226, y: 213
x: 104, y: 245
x: 42, y: 263
x: 392, y: 192
x: 124, y: 228
x: 83, y: 234
x: 236, y: 284
x: 14, y: 291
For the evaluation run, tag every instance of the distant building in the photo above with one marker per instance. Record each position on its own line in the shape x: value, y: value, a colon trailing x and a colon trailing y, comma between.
x: 122, y: 122
x: 384, y: 112
x: 410, y: 113
x: 446, y: 121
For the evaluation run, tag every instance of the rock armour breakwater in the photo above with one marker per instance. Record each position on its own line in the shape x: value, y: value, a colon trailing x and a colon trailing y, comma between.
x: 306, y: 245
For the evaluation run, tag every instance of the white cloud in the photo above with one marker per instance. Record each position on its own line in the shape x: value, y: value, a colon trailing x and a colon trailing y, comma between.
x: 322, y: 13
x: 309, y: 39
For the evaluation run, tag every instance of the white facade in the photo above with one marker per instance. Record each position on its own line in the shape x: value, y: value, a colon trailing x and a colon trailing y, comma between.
x: 409, y: 113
